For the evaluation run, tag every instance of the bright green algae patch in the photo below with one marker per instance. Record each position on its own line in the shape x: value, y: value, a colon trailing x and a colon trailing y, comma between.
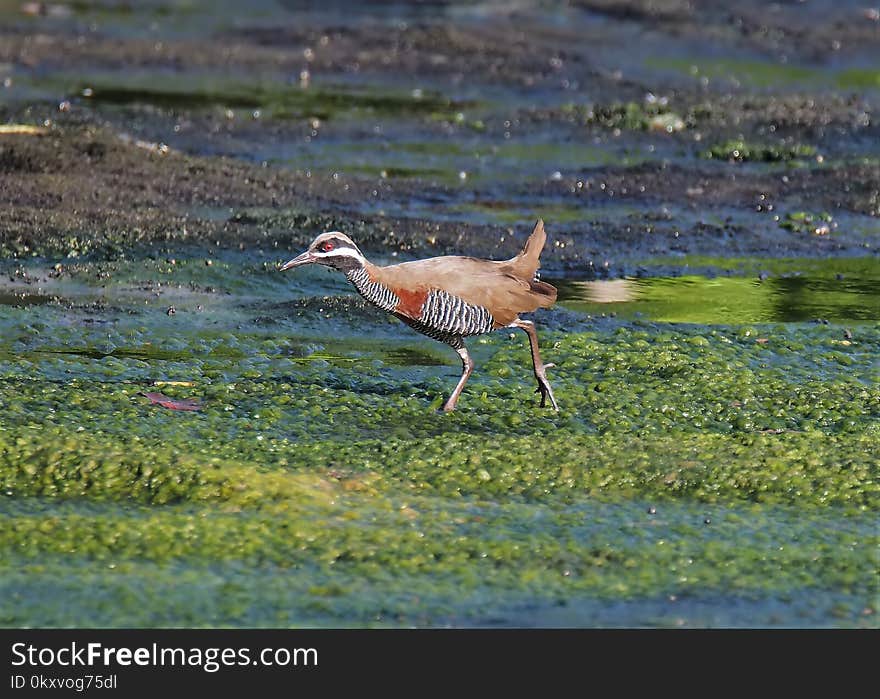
x: 739, y: 150
x: 346, y: 557
x: 850, y: 299
x: 279, y: 101
x: 764, y: 74
x: 695, y: 474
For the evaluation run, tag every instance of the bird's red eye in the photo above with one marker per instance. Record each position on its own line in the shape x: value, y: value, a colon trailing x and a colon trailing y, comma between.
x: 326, y: 246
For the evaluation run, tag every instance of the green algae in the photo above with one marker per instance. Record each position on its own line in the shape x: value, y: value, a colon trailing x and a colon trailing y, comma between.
x: 741, y: 151
x: 805, y: 221
x: 858, y: 78
x: 466, y: 164
x: 318, y: 485
x: 331, y: 493
x: 558, y: 155
x: 824, y: 296
x: 508, y: 213
x: 766, y: 74
x: 826, y: 268
x: 271, y: 99
x: 759, y: 74
x: 633, y: 116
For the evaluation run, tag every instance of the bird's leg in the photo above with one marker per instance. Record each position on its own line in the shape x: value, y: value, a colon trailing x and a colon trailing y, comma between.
x: 540, y: 368
x: 467, y: 365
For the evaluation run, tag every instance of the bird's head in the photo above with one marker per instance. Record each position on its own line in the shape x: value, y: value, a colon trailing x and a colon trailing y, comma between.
x: 332, y: 249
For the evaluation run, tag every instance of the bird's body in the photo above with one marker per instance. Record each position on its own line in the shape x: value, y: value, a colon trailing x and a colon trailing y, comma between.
x: 448, y: 298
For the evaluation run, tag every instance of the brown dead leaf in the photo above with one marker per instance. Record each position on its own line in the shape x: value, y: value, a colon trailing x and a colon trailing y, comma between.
x: 172, y: 403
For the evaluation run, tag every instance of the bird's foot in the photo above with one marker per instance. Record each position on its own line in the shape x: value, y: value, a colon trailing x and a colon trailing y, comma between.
x: 547, y: 392
x: 544, y: 387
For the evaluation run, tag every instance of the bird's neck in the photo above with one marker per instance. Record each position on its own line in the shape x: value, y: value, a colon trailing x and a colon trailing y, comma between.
x: 366, y: 278
x: 357, y: 270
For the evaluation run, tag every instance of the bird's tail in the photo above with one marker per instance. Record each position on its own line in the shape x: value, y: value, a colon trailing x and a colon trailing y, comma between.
x: 527, y: 262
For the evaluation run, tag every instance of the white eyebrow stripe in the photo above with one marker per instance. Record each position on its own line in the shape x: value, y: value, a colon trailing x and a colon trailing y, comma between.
x: 342, y: 252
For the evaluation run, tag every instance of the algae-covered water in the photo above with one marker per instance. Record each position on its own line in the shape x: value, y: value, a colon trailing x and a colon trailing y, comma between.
x: 711, y: 197
x: 697, y: 474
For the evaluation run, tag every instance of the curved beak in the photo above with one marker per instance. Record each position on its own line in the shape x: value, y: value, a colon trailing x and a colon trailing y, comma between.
x: 306, y: 258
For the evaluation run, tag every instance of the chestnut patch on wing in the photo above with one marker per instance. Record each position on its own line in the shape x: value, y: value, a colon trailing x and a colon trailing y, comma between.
x: 411, y: 302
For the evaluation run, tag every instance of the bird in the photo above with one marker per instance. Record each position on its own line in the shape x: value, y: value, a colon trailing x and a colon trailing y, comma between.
x: 449, y: 298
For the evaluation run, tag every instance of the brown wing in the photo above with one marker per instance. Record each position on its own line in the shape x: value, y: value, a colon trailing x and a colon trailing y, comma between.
x: 492, y: 285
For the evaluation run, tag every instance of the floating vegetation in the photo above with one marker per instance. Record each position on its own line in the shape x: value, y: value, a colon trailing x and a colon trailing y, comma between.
x: 806, y: 222
x: 634, y: 116
x: 742, y: 151
x: 271, y: 99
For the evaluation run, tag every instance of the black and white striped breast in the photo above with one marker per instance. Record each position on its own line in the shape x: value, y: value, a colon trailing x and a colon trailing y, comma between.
x: 377, y: 294
x: 445, y: 313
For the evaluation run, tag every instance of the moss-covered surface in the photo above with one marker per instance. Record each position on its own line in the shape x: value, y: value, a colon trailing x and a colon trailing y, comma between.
x: 807, y: 222
x: 695, y: 474
x: 740, y: 151
x: 636, y: 116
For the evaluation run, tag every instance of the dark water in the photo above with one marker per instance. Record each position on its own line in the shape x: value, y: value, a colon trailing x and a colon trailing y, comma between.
x: 24, y: 299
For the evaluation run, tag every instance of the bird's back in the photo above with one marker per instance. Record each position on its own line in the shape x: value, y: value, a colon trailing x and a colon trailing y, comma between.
x: 505, y: 288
